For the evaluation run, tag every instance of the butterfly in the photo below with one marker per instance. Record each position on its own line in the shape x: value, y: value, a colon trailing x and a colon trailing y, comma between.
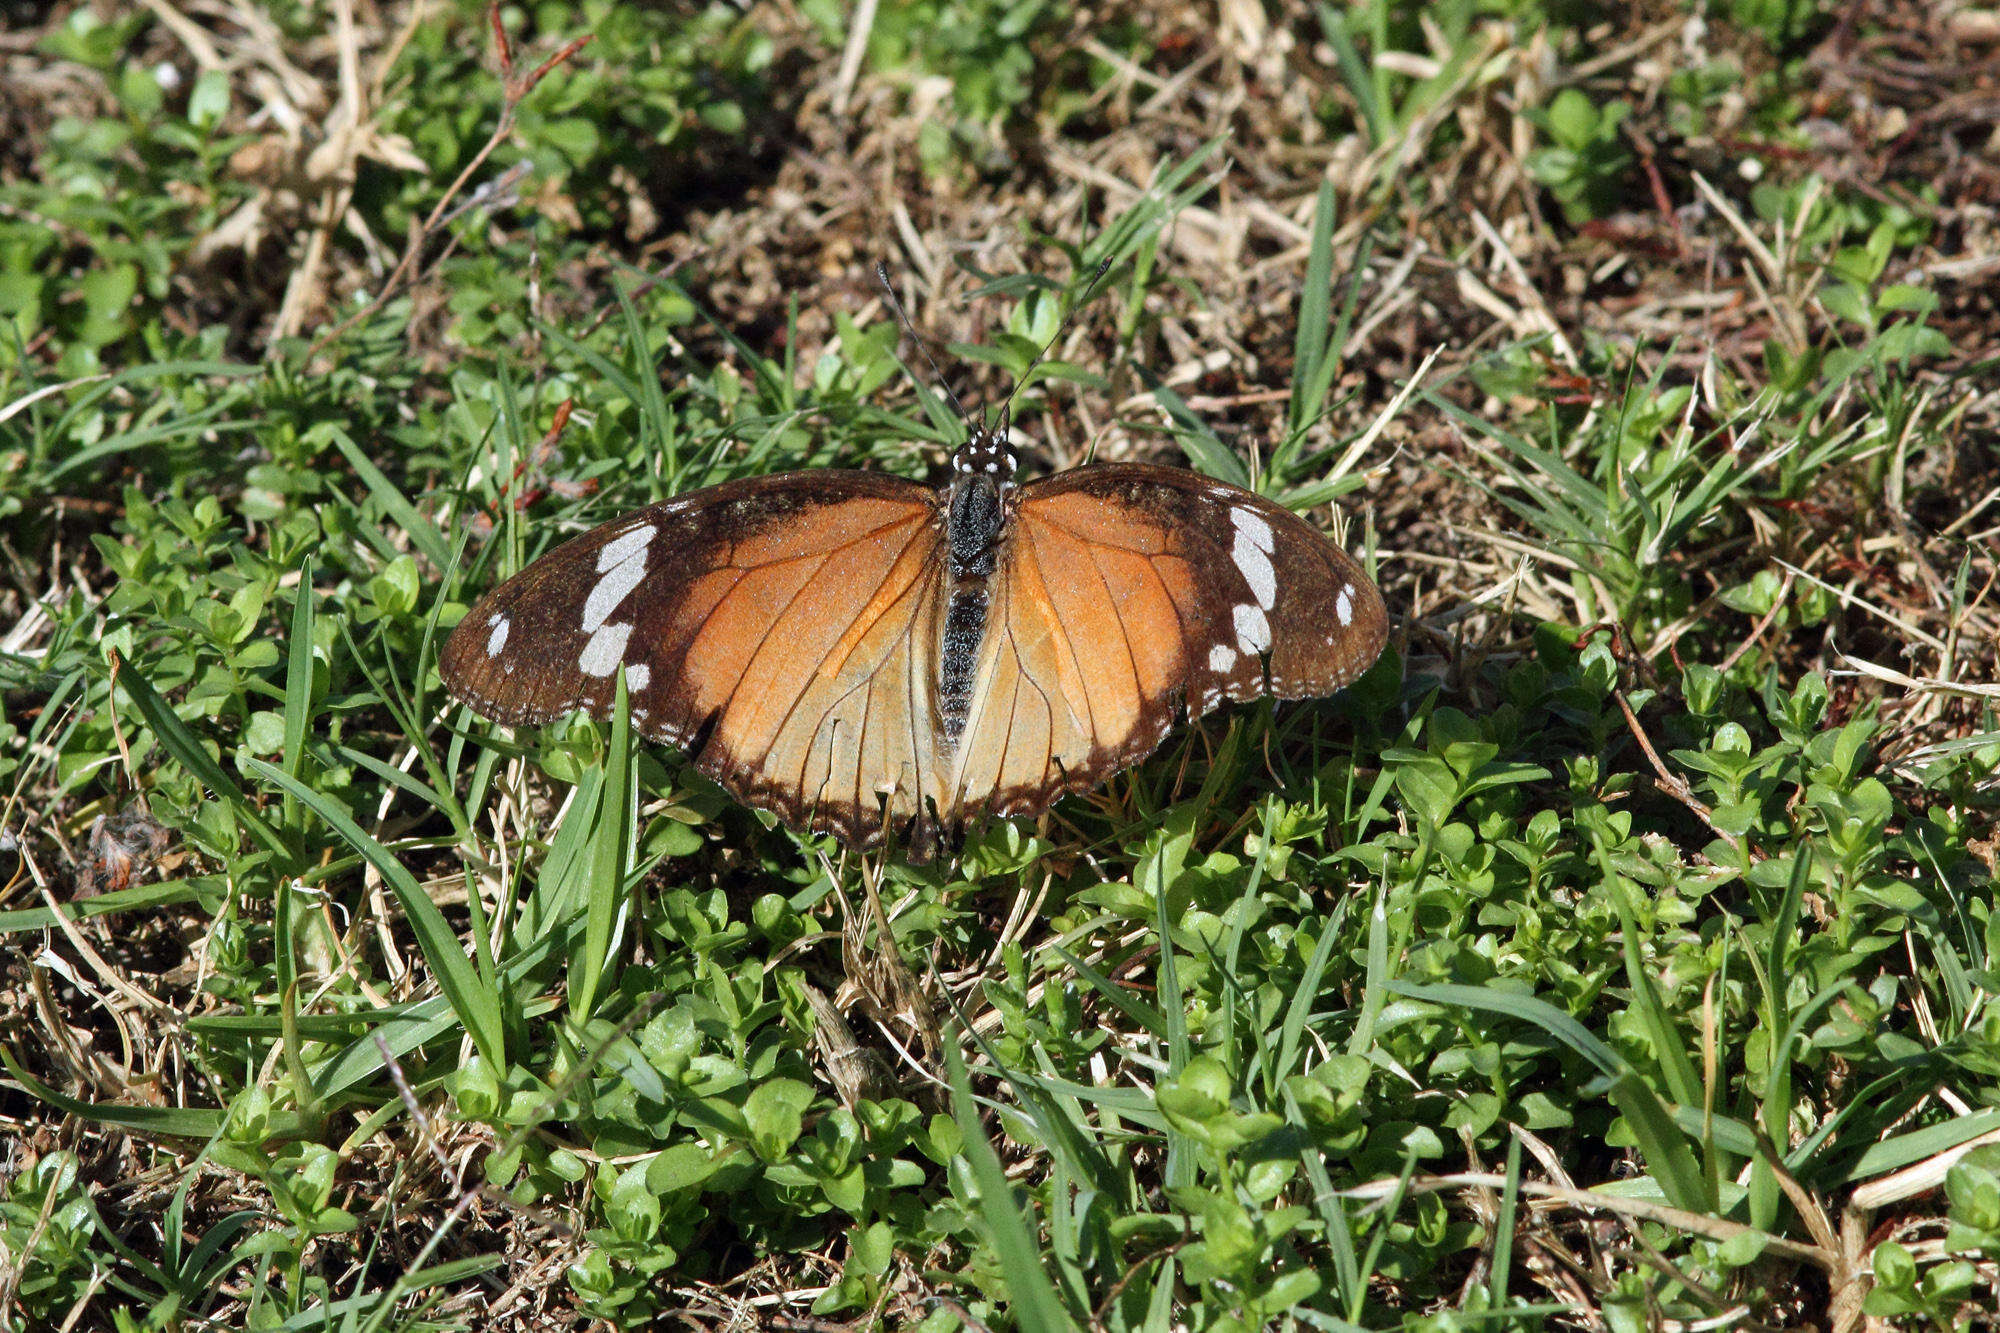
x: 862, y: 653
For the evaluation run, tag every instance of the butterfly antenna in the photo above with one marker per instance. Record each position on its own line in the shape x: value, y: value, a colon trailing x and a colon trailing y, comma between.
x: 882, y: 276
x: 1089, y: 288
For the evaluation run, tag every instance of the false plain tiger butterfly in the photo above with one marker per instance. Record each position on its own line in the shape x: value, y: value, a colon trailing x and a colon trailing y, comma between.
x: 859, y: 652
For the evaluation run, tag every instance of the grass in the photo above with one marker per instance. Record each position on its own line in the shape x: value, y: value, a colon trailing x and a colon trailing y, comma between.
x: 1616, y: 954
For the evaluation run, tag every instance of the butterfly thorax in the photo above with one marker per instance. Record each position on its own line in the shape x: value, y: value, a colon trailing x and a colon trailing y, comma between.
x: 973, y: 524
x: 982, y: 478
x: 982, y: 475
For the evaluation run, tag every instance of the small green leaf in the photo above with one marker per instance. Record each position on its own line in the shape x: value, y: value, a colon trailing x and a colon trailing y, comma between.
x: 208, y: 104
x: 1893, y: 1266
x: 633, y: 1209
x: 775, y: 1112
x: 847, y: 1190
x: 394, y: 591
x: 265, y: 733
x: 872, y: 1249
x: 1743, y: 1249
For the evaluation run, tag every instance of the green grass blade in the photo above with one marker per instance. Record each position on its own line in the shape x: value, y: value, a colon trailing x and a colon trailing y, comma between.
x: 404, y: 1029
x: 1316, y: 348
x: 1355, y: 75
x: 417, y: 788
x: 1920, y: 1145
x: 1292, y: 1033
x: 298, y: 685
x: 204, y: 424
x: 610, y: 841
x: 1163, y: 200
x: 1332, y: 1209
x: 1036, y: 1302
x: 1676, y: 1068
x: 421, y: 530
x: 1165, y: 868
x: 178, y: 741
x: 171, y: 1121
x: 659, y: 428
x: 1774, y: 975
x: 564, y: 881
x: 1203, y: 447
x: 1113, y: 993
x: 1662, y: 1142
x: 136, y: 898
x: 1503, y: 1227
x: 474, y: 1002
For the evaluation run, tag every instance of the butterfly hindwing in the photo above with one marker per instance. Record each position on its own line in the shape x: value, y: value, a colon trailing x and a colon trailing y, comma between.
x: 1128, y: 592
x: 775, y: 627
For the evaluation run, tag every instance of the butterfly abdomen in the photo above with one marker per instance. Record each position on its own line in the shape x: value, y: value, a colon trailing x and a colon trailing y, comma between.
x: 964, y: 627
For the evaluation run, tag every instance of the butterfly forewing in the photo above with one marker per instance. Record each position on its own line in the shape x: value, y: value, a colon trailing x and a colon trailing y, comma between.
x: 1127, y: 593
x: 777, y: 627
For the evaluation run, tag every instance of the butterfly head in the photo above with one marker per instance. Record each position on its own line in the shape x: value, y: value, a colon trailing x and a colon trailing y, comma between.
x: 986, y: 453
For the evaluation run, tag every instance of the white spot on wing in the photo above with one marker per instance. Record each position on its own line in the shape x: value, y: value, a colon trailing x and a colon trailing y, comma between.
x: 626, y: 545
x: 1344, y: 606
x: 497, y: 640
x: 621, y: 565
x: 1221, y: 657
x: 1253, y: 526
x: 637, y: 676
x: 1256, y: 568
x: 601, y: 656
x: 1253, y: 632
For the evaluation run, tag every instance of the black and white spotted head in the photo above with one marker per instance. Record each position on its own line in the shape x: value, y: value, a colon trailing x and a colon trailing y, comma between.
x: 987, y: 453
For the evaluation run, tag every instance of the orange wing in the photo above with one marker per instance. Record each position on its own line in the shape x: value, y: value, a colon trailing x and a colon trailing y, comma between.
x: 1126, y: 593
x: 779, y: 629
